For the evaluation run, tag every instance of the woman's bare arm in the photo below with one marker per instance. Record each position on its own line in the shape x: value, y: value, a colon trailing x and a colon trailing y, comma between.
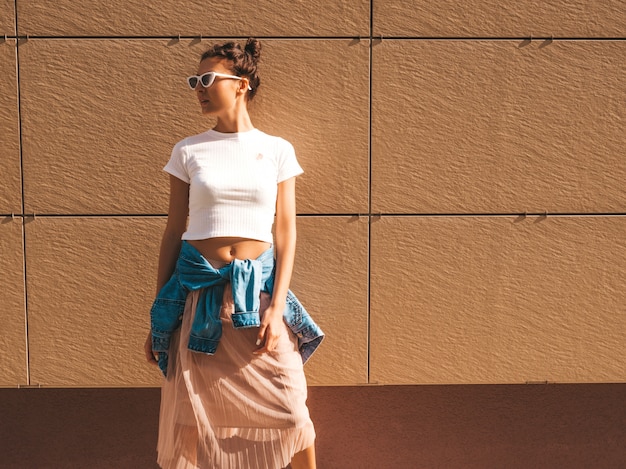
x: 285, y: 249
x: 176, y: 226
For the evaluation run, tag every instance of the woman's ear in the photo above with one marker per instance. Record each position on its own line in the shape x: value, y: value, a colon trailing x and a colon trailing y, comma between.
x: 244, y: 84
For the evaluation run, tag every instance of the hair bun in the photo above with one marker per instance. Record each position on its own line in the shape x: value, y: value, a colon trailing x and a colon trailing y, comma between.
x: 253, y: 48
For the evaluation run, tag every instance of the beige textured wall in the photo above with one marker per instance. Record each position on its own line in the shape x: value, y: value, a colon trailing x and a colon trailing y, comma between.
x: 426, y: 131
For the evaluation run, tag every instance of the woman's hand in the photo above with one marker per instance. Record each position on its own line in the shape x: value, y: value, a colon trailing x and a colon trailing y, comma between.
x: 271, y: 327
x: 150, y: 355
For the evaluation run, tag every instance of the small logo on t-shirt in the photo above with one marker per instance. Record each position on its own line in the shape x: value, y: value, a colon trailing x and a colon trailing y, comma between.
x: 259, y: 156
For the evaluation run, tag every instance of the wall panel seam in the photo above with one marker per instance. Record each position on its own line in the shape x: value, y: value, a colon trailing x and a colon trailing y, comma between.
x: 500, y: 38
x: 511, y: 214
x: 26, y: 37
x: 369, y: 189
x: 373, y: 215
x: 177, y: 37
x: 23, y: 206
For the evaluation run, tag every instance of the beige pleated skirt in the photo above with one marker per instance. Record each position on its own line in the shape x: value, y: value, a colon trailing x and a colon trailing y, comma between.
x: 232, y: 409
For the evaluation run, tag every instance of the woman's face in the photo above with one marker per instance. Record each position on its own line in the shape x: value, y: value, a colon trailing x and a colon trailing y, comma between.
x: 221, y: 96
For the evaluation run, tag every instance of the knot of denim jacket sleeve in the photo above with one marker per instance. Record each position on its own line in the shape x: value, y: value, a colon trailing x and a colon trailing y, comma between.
x: 247, y: 279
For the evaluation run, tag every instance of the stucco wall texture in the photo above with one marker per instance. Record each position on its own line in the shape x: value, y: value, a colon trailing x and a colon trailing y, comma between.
x: 462, y: 216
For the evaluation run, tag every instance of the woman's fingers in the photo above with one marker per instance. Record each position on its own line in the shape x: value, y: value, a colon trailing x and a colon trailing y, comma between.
x: 268, y: 339
x: 261, y: 339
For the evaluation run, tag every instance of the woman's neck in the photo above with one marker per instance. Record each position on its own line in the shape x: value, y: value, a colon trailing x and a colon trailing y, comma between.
x: 239, y: 122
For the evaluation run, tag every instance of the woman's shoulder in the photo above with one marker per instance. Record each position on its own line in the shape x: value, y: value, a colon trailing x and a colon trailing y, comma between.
x: 190, y: 140
x: 277, y: 142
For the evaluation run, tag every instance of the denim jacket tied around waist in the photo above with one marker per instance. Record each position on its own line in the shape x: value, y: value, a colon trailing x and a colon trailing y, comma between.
x: 248, y: 278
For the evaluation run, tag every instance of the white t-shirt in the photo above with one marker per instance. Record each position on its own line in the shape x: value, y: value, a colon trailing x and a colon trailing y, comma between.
x: 233, y: 182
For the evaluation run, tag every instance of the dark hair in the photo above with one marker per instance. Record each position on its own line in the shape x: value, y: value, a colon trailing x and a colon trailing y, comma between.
x: 243, y: 62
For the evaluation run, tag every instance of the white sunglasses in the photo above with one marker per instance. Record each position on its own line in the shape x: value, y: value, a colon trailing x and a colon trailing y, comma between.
x: 207, y: 79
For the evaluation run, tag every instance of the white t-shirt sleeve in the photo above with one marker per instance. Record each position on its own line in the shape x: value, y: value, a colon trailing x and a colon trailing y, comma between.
x: 176, y: 166
x: 288, y: 165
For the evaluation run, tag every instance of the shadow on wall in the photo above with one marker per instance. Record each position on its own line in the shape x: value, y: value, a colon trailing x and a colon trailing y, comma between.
x: 512, y: 426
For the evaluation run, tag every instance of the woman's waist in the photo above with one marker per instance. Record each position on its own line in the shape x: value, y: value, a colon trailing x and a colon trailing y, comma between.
x: 220, y: 251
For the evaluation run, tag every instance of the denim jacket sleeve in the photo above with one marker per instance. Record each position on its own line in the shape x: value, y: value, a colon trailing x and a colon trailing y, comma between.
x: 166, y: 316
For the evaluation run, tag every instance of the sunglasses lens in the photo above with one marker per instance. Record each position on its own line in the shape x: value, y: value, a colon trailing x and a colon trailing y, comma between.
x: 193, y: 82
x: 207, y: 79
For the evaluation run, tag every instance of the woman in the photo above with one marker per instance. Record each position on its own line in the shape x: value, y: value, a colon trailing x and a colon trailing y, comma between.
x: 225, y: 329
